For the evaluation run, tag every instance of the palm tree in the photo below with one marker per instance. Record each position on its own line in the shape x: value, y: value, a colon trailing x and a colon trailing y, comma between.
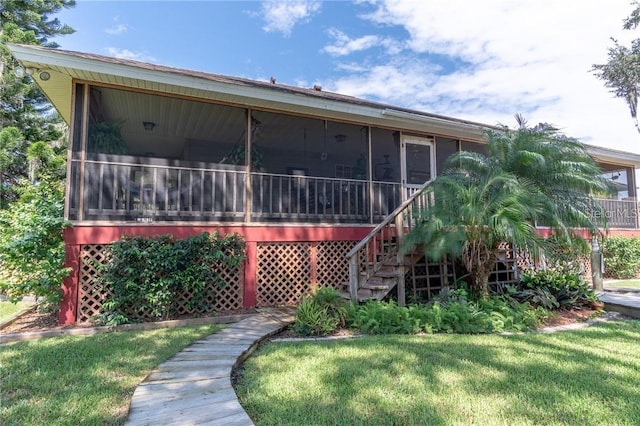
x: 473, y: 214
x: 531, y: 176
x: 559, y: 166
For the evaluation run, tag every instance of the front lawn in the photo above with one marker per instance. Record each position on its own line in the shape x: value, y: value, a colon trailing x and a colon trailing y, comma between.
x: 623, y: 283
x: 586, y: 377
x: 88, y: 380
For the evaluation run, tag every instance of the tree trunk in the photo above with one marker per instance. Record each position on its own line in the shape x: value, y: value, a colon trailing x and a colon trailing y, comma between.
x: 479, y: 260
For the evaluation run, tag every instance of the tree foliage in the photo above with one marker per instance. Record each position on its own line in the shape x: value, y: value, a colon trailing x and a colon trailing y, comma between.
x: 621, y: 73
x: 31, y: 245
x: 531, y: 176
x: 22, y: 104
x: 32, y: 157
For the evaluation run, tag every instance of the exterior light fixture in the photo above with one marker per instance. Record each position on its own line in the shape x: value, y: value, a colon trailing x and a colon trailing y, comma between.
x: 44, y: 75
x: 148, y: 125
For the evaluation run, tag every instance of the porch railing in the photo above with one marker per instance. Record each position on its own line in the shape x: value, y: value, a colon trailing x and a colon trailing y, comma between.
x: 118, y: 190
x: 619, y: 213
x: 277, y: 196
x: 382, y: 244
x: 125, y: 188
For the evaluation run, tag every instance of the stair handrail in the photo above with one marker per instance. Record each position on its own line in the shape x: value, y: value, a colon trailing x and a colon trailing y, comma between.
x: 354, y: 254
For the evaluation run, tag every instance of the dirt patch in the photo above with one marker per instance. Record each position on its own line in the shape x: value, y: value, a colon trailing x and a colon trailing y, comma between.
x: 34, y: 321
x: 572, y: 316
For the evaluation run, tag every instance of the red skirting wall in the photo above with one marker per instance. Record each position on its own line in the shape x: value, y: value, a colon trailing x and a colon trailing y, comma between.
x: 79, y: 235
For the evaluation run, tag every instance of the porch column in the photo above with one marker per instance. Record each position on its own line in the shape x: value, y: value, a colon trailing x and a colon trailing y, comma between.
x: 250, y: 275
x: 69, y: 304
x: 247, y: 159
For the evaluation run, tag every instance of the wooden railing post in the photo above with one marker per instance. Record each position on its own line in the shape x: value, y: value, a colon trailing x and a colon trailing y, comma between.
x: 400, y: 258
x: 354, y: 278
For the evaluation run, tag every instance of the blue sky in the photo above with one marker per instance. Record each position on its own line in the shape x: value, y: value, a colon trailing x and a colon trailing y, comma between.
x: 482, y: 61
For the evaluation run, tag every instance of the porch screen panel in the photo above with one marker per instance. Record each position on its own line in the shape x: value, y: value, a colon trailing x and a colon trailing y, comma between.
x: 445, y: 148
x: 76, y: 144
x: 473, y: 147
x: 385, y: 159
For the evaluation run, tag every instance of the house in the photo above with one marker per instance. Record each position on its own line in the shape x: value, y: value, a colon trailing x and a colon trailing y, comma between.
x: 303, y: 174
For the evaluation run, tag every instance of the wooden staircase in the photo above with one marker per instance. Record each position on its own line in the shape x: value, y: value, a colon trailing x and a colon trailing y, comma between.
x: 376, y: 264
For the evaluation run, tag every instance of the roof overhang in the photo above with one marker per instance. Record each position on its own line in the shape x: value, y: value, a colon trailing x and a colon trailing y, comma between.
x: 65, y: 67
x: 614, y: 156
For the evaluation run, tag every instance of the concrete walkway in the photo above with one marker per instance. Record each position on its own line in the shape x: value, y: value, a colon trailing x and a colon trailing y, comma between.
x: 625, y: 301
x: 194, y: 386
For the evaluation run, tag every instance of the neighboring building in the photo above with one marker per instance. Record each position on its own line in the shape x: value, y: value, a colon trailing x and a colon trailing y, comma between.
x: 302, y: 174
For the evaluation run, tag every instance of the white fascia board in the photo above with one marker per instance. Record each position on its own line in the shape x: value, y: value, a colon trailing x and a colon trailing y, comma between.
x: 614, y: 156
x: 469, y: 131
x: 53, y: 58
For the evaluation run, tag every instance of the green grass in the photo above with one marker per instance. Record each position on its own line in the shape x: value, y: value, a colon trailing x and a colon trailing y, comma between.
x: 83, y: 380
x: 583, y: 377
x: 7, y: 308
x: 623, y: 283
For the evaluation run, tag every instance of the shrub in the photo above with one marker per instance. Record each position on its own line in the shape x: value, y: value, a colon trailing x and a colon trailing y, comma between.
x: 497, y: 314
x: 31, y: 244
x: 553, y: 288
x: 621, y: 257
x: 566, y: 253
x: 321, y: 313
x: 146, y: 275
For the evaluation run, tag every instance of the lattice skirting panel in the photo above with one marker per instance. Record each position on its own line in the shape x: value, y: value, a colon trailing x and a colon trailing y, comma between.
x: 333, y: 267
x: 287, y: 271
x: 525, y: 261
x: 91, y: 297
x: 283, y: 273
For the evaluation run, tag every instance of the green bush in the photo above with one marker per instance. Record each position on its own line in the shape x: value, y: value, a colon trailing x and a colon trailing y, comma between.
x: 497, y: 314
x: 146, y: 275
x: 553, y: 288
x: 312, y: 319
x: 621, y: 257
x: 566, y: 253
x: 31, y: 244
x: 321, y: 313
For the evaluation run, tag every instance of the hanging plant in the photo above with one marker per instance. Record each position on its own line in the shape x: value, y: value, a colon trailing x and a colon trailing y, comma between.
x: 105, y: 138
x: 237, y: 156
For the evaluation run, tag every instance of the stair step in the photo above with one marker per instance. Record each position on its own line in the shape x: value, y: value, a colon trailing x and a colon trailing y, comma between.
x: 363, y: 295
x: 386, y: 272
x: 375, y: 286
x: 387, y: 282
x: 393, y: 260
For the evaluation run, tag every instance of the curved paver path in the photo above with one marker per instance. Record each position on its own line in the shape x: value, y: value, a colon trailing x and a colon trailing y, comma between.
x: 194, y: 386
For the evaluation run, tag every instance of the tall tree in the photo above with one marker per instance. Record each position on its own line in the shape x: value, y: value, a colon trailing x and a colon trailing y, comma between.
x: 32, y: 156
x: 621, y: 73
x: 22, y: 104
x: 532, y: 175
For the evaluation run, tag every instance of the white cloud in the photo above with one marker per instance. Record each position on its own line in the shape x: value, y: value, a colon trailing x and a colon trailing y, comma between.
x: 344, y: 45
x: 282, y: 15
x: 510, y: 57
x: 128, y: 54
x: 118, y: 29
